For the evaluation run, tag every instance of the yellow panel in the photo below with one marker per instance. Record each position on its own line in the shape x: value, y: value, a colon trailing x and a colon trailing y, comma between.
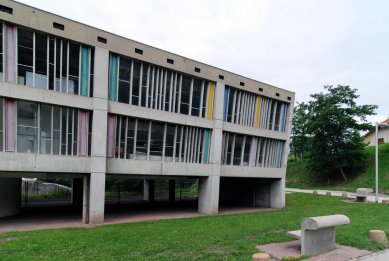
x: 211, y: 91
x: 258, y: 112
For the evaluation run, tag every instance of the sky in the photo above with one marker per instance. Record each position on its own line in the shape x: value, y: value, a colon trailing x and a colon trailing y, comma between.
x: 298, y: 45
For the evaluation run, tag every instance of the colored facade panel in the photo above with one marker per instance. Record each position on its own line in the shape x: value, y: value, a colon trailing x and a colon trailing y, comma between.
x: 207, y: 141
x: 10, y: 124
x: 84, y: 83
x: 113, y: 77
x: 111, y: 136
x: 10, y: 53
x: 211, y: 92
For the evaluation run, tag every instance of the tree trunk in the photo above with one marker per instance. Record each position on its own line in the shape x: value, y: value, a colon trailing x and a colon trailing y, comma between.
x: 343, y: 174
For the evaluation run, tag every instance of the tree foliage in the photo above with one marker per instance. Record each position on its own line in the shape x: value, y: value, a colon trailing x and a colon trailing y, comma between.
x: 334, y: 122
x: 300, y: 140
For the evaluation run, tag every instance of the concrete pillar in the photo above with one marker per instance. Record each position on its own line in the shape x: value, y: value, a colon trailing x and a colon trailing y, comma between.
x: 172, y: 190
x: 77, y: 192
x: 85, y: 200
x: 99, y: 138
x: 209, y: 186
x: 209, y: 195
x: 148, y: 190
x: 96, y: 198
x: 277, y: 193
x: 10, y: 196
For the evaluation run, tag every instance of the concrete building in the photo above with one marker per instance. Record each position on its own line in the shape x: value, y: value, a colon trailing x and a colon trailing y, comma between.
x: 383, y: 135
x: 82, y: 103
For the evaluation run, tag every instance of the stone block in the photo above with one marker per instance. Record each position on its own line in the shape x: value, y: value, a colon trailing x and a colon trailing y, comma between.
x: 328, y: 193
x: 261, y: 257
x: 378, y: 236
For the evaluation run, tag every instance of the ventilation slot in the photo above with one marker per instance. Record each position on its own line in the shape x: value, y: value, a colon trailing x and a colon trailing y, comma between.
x: 289, y: 98
x: 58, y: 26
x: 102, y: 39
x: 277, y: 94
x: 197, y: 70
x: 139, y: 51
x: 241, y: 83
x: 260, y: 89
x: 6, y: 9
x: 221, y: 77
x: 171, y: 61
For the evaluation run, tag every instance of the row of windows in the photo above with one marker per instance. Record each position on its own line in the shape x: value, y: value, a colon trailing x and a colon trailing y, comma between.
x: 245, y: 108
x: 244, y: 150
x: 152, y: 140
x: 142, y: 84
x: 45, y: 129
x: 47, y: 62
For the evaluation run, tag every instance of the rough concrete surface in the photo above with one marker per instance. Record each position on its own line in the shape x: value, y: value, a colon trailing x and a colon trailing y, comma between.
x: 291, y: 249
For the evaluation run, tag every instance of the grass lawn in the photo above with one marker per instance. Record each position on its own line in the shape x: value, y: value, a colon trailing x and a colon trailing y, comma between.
x: 298, y: 176
x: 228, y: 237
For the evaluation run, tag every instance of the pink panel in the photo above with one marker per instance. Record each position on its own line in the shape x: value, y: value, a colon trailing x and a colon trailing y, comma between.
x: 10, y: 124
x: 111, y: 135
x: 82, y: 133
x: 10, y: 53
x: 253, y: 152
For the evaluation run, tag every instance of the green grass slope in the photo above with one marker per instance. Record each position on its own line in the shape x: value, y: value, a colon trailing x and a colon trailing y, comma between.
x: 298, y: 176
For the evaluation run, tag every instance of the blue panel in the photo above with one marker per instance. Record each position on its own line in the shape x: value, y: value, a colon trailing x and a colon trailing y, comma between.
x: 225, y: 108
x: 113, y: 77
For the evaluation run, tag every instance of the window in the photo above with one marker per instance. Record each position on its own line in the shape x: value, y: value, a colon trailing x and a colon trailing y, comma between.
x: 125, y: 66
x: 136, y: 83
x: 130, y: 138
x: 185, y: 94
x: 196, y: 97
x: 238, y: 149
x: 156, y: 141
x: 169, y: 144
x: 246, y: 154
x: 53, y: 63
x: 45, y: 129
x: 142, y: 136
x: 27, y: 127
x: 48, y: 129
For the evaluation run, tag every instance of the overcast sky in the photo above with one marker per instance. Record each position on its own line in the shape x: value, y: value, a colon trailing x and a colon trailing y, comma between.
x: 297, y: 45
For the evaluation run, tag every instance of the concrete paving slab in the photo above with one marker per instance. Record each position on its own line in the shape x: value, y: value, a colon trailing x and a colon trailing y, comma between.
x: 292, y: 249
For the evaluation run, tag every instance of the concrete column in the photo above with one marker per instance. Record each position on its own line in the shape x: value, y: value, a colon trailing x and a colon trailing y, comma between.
x: 96, y: 198
x: 172, y: 190
x: 148, y: 190
x: 209, y: 186
x: 209, y: 195
x: 10, y: 196
x: 99, y: 138
x: 77, y: 192
x: 277, y: 193
x: 85, y: 200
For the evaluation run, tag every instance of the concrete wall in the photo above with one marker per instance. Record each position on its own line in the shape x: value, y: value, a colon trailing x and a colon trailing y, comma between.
x: 382, y: 134
x: 10, y: 196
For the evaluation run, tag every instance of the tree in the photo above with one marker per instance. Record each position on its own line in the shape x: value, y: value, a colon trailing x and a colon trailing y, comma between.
x: 335, y: 122
x: 300, y: 140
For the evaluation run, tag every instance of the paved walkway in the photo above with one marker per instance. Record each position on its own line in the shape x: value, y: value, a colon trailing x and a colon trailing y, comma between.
x: 370, y: 197
x: 380, y: 256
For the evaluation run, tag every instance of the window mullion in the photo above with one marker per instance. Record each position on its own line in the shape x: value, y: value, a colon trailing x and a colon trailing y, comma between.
x: 201, y: 99
x: 131, y: 81
x: 140, y: 85
x: 148, y: 141
x: 164, y: 142
x: 125, y: 139
x: 191, y: 96
x: 135, y: 137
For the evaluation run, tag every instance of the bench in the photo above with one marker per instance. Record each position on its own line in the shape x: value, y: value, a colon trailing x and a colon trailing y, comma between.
x: 362, y: 194
x: 317, y: 234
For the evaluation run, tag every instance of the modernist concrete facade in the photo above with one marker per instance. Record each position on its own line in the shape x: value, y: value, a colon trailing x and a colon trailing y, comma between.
x: 81, y: 103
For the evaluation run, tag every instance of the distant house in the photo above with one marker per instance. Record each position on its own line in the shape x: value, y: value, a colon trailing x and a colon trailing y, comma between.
x: 383, y: 135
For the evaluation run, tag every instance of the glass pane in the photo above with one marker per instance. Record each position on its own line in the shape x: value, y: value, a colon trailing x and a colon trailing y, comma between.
x: 45, y: 129
x: 238, y: 149
x: 136, y: 83
x: 125, y: 69
x: 124, y: 91
x: 74, y: 60
x: 130, y: 138
x: 142, y: 139
x: 27, y: 131
x: 144, y: 84
x: 156, y: 141
x: 169, y: 142
x: 64, y: 131
x: 196, y: 97
x: 64, y: 65
x: 25, y: 47
x: 40, y: 61
x: 185, y: 94
x: 56, y: 129
x: 25, y: 75
x: 246, y: 155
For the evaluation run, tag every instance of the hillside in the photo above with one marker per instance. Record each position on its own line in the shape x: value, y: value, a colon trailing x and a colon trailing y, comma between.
x: 298, y: 176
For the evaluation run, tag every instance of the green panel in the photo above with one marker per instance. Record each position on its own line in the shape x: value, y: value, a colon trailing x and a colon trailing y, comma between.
x: 207, y: 138
x: 113, y: 77
x: 84, y: 82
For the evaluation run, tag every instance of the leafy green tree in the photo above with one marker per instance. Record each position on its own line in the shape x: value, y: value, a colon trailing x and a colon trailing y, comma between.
x: 334, y: 123
x: 300, y: 139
